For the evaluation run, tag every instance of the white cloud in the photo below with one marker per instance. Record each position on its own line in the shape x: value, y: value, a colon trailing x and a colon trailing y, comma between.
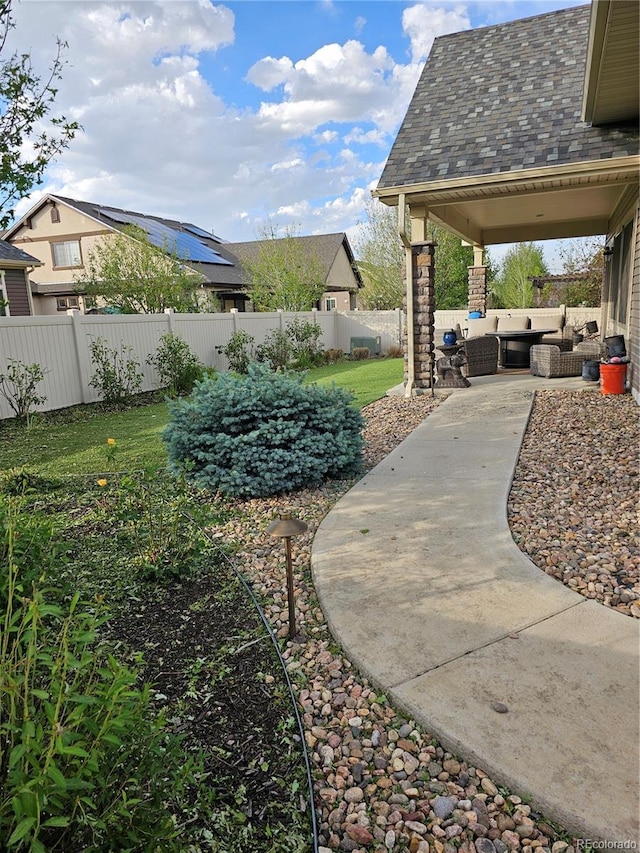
x: 157, y: 137
x: 424, y: 22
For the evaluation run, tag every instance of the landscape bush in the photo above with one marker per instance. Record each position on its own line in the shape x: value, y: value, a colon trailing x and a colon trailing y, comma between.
x: 238, y: 351
x: 360, y: 353
x: 178, y: 368
x: 276, y: 350
x: 297, y: 347
x: 117, y: 376
x: 395, y: 351
x: 263, y: 434
x: 331, y: 356
x: 18, y: 387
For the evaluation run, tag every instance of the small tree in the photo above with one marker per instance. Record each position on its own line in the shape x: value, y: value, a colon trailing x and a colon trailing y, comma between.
x: 238, y: 351
x: 584, y: 258
x: 284, y: 274
x: 136, y: 277
x: 380, y: 258
x: 513, y: 288
x: 18, y: 387
x: 26, y: 101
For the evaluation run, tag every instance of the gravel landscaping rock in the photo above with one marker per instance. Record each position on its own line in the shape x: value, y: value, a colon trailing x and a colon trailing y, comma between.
x: 381, y: 783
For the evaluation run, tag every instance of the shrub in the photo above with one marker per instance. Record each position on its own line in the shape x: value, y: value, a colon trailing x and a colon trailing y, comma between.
x: 179, y: 369
x: 238, y: 351
x: 305, y: 337
x: 395, y: 351
x: 117, y: 376
x: 83, y: 764
x: 18, y: 387
x: 360, y: 353
x: 263, y: 434
x: 330, y: 356
x: 275, y: 350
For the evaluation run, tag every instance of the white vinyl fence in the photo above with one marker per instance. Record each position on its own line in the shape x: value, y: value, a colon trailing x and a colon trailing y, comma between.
x: 61, y: 344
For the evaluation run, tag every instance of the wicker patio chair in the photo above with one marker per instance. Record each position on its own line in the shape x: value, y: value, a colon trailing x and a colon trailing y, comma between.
x: 482, y: 355
x: 549, y: 361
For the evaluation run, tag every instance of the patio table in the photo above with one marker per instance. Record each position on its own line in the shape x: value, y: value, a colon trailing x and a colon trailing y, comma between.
x: 515, y: 347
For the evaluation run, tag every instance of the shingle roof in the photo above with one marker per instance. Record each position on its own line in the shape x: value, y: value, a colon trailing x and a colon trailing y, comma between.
x: 215, y: 274
x: 8, y: 252
x: 324, y: 246
x: 500, y: 99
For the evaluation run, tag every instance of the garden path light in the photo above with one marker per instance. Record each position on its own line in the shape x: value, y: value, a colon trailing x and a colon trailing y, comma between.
x: 284, y: 528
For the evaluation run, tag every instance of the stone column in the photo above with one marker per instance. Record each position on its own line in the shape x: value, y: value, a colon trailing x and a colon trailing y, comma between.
x: 423, y: 290
x: 478, y: 289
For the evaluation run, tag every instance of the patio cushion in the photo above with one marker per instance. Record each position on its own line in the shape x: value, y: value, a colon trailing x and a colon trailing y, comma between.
x: 513, y: 324
x: 481, y: 326
x: 548, y: 321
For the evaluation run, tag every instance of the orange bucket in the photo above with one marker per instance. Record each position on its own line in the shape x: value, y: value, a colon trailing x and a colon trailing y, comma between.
x: 612, y: 377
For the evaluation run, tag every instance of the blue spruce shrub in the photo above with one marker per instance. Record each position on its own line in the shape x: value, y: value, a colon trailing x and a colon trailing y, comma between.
x: 263, y: 434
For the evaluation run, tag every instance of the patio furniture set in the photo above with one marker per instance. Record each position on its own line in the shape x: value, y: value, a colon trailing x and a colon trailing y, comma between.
x: 543, y: 344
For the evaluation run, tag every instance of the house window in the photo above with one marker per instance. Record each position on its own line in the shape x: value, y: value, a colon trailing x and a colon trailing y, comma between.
x: 332, y: 304
x: 67, y: 254
x: 63, y: 303
x: 55, y: 214
x: 621, y: 273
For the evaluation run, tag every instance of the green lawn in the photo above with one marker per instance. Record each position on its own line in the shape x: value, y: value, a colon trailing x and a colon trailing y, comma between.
x: 76, y: 442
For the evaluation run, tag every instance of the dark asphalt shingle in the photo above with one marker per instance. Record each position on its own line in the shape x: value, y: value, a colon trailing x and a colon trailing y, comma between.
x: 500, y: 99
x: 8, y: 252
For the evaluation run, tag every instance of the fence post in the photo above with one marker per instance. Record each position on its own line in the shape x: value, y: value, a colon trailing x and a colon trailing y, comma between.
x: 169, y: 313
x: 81, y: 355
x: 234, y: 314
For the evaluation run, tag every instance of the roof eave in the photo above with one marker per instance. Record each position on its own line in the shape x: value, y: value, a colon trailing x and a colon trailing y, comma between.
x: 470, y: 185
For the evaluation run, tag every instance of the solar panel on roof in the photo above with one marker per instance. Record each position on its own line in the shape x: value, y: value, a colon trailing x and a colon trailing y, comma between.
x: 187, y: 247
x: 199, y: 232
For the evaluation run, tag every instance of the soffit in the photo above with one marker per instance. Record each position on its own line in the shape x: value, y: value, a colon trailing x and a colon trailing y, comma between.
x: 612, y: 90
x: 551, y: 204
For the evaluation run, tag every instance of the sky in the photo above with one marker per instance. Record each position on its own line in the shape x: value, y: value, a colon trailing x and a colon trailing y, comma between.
x: 234, y: 115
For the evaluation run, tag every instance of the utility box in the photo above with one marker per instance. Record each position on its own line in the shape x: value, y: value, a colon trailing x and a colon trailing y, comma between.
x: 372, y: 344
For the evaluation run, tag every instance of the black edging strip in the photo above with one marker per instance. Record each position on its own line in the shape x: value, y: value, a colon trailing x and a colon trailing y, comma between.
x: 276, y: 646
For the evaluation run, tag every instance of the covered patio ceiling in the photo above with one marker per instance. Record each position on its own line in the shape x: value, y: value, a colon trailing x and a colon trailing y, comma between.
x: 537, y: 204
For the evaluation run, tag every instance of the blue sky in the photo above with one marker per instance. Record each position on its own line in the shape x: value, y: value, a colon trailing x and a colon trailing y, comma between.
x: 232, y: 114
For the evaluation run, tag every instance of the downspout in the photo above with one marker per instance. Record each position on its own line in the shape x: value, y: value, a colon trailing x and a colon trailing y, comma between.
x: 406, y: 242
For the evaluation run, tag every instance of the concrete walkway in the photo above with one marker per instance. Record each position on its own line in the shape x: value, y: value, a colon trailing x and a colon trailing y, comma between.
x: 427, y: 593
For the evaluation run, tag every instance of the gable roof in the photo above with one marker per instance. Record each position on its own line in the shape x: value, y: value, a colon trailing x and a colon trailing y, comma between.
x: 493, y: 146
x: 503, y: 98
x: 12, y: 256
x: 324, y: 246
x: 216, y: 265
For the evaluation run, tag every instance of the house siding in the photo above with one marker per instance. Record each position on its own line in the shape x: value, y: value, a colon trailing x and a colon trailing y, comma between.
x: 16, y: 283
x: 634, y: 317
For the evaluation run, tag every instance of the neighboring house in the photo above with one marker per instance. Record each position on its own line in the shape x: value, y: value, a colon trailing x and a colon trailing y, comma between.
x: 15, y: 295
x: 61, y: 233
x: 529, y: 131
x: 342, y: 279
